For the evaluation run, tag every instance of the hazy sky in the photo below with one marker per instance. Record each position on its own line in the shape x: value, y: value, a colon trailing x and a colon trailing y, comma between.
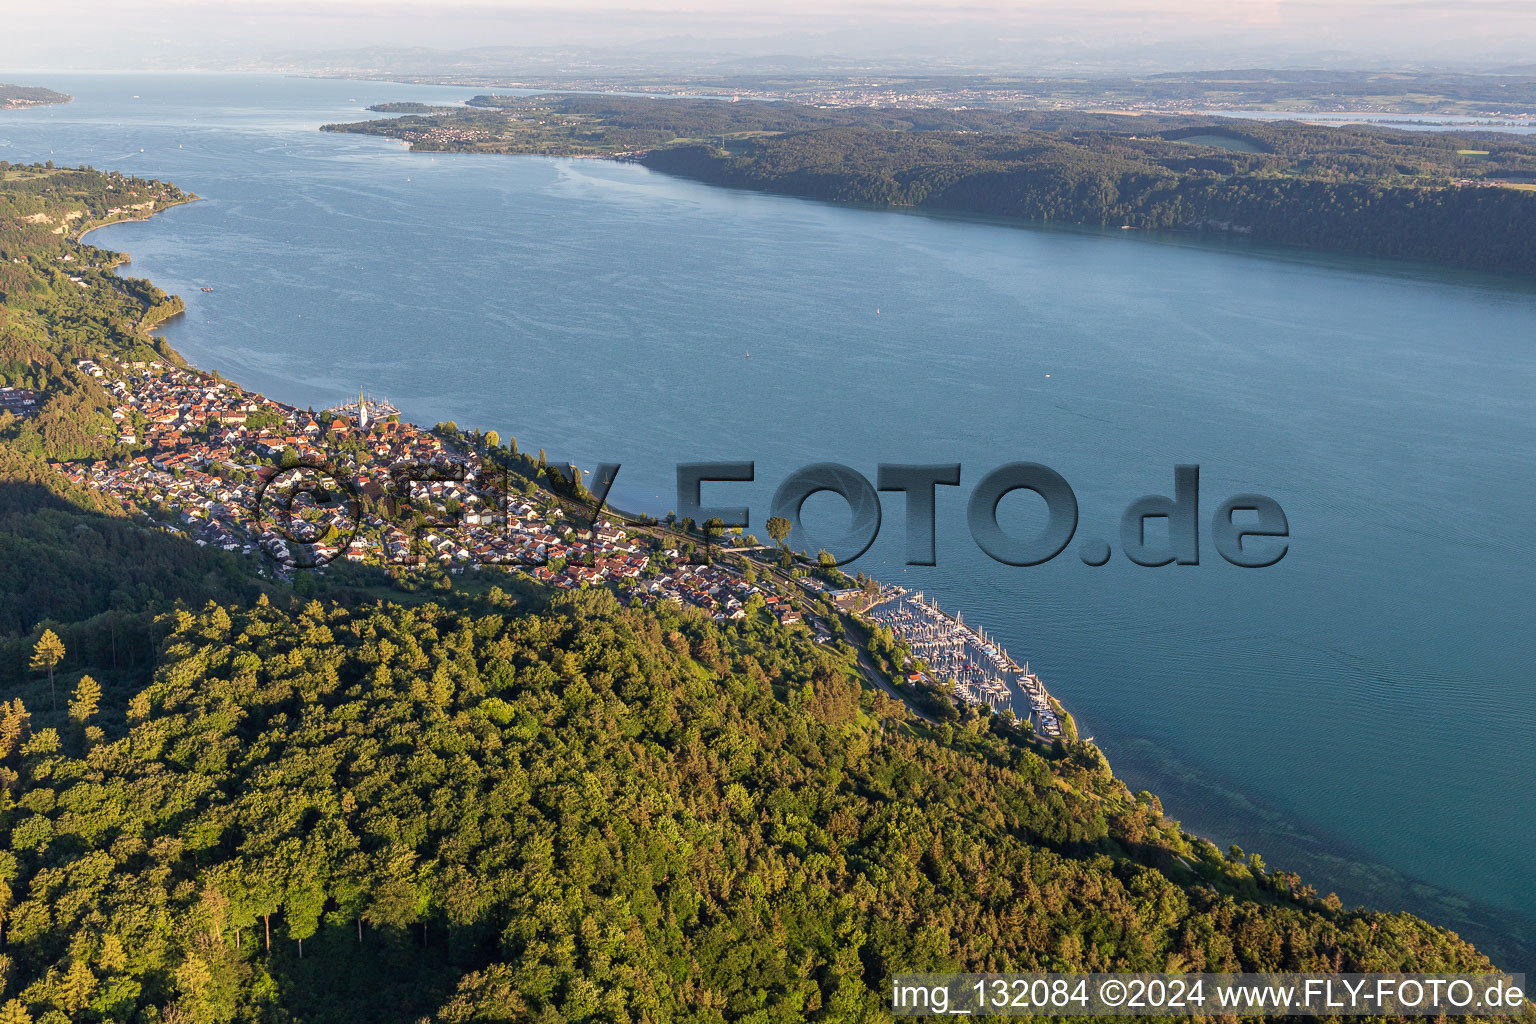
x: 1018, y: 34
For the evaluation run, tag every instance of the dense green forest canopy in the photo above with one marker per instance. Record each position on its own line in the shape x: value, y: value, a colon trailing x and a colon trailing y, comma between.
x: 577, y: 812
x: 1465, y: 200
x: 1112, y: 182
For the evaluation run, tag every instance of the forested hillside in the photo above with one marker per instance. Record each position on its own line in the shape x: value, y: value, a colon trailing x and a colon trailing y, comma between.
x: 1462, y: 200
x: 1111, y: 183
x: 584, y: 813
x: 94, y: 569
x: 13, y: 97
x: 69, y: 554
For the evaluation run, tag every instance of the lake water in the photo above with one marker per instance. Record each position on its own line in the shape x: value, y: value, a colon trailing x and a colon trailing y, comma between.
x: 1361, y: 712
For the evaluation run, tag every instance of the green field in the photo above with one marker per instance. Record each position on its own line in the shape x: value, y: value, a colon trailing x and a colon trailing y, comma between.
x: 1226, y: 142
x: 26, y: 173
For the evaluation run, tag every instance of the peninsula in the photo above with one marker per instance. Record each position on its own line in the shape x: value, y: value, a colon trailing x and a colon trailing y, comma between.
x: 17, y: 97
x: 1459, y: 200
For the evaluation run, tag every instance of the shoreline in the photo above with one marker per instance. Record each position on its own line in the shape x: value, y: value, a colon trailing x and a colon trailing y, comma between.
x: 1507, y: 936
x: 79, y: 236
x: 1226, y: 241
x: 10, y: 105
x: 179, y: 357
x: 492, y: 82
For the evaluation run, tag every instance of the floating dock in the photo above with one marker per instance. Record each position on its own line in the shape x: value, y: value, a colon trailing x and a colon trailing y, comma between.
x: 366, y: 410
x: 965, y: 656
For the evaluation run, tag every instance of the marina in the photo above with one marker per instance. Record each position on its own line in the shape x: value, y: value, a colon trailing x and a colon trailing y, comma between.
x: 965, y: 657
x: 366, y: 409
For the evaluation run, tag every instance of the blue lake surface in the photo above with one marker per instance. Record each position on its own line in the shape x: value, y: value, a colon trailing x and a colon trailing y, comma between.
x: 1362, y: 712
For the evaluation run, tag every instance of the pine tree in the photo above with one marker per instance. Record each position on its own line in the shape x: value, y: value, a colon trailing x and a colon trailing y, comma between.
x: 14, y: 721
x: 87, y: 699
x: 47, y: 653
x: 79, y: 986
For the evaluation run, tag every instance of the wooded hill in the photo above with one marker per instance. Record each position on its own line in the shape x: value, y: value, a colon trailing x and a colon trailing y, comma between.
x: 1461, y: 200
x: 578, y: 812
x: 13, y: 97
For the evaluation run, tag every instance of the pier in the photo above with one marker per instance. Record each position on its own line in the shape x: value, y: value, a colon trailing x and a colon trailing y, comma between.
x: 965, y: 656
x: 366, y: 410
